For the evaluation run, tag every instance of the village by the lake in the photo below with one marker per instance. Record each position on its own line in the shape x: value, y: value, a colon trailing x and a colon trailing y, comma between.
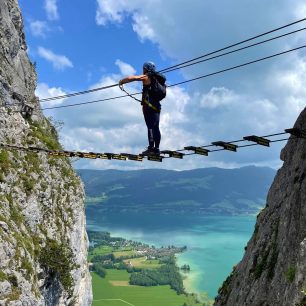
x: 116, y: 251
x: 122, y: 263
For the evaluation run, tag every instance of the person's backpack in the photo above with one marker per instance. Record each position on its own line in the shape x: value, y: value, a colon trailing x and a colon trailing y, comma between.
x: 158, y: 86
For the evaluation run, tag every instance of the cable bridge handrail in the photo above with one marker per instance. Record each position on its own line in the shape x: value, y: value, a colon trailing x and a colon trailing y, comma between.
x: 196, y: 150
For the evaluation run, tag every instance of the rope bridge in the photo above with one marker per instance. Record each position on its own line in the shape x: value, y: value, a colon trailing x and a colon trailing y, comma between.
x: 178, y: 154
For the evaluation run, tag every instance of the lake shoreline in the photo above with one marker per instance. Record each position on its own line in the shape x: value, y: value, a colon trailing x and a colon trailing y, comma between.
x: 207, y: 239
x: 189, y: 278
x: 137, y: 261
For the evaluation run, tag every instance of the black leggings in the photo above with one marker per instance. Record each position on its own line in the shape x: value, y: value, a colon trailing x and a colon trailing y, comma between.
x: 152, y: 121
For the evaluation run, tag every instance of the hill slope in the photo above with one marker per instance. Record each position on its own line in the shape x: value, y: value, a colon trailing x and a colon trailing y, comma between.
x: 210, y: 190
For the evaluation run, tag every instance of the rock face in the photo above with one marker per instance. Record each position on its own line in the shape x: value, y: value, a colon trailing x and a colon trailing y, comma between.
x: 273, y: 269
x: 43, y: 241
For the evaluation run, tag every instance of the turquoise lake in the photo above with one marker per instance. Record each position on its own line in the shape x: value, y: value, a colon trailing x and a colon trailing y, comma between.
x: 214, y: 243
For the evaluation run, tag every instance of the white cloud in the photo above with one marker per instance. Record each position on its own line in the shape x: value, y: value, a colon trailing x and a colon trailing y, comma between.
x: 59, y: 62
x: 300, y: 10
x: 217, y: 97
x: 290, y: 79
x: 109, y: 11
x: 51, y: 9
x: 182, y: 29
x: 143, y: 27
x: 102, y: 115
x: 44, y: 91
x: 116, y: 11
x: 261, y: 116
x: 39, y: 28
x: 260, y: 99
x: 125, y: 69
x: 118, y: 126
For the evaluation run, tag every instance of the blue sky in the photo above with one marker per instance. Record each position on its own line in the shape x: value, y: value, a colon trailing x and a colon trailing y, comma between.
x: 79, y: 45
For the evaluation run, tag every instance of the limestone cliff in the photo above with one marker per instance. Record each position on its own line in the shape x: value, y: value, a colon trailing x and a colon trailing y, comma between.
x: 273, y: 269
x: 43, y: 241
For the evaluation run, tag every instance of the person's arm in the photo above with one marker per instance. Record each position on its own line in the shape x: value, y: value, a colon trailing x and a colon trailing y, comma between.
x: 144, y: 78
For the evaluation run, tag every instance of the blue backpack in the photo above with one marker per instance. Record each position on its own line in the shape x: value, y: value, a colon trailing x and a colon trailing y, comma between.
x: 158, y: 86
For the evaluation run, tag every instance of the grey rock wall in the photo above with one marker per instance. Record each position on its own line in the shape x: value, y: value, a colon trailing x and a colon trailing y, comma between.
x: 273, y: 269
x: 43, y: 241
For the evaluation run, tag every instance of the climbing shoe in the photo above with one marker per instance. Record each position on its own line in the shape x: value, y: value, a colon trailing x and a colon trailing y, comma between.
x: 149, y: 151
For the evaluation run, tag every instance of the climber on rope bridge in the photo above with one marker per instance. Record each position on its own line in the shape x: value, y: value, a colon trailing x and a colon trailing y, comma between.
x: 154, y: 90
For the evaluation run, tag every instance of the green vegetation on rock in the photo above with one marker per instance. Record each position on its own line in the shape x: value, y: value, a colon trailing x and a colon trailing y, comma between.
x: 290, y: 274
x: 3, y: 276
x: 4, y: 163
x: 48, y: 136
x: 14, y: 295
x: 225, y: 289
x: 58, y: 260
x: 269, y: 257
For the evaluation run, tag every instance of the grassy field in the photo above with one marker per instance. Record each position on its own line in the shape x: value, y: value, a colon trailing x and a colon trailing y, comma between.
x: 123, y: 253
x: 102, y: 250
x: 141, y: 262
x: 115, y: 291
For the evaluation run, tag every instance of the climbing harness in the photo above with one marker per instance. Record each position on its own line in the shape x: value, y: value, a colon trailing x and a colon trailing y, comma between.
x: 145, y: 100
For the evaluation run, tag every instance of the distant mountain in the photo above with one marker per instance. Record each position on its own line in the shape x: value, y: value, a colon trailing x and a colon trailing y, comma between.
x: 210, y: 190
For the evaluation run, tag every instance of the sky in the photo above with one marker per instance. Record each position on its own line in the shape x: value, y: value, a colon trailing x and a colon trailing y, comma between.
x: 79, y: 45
